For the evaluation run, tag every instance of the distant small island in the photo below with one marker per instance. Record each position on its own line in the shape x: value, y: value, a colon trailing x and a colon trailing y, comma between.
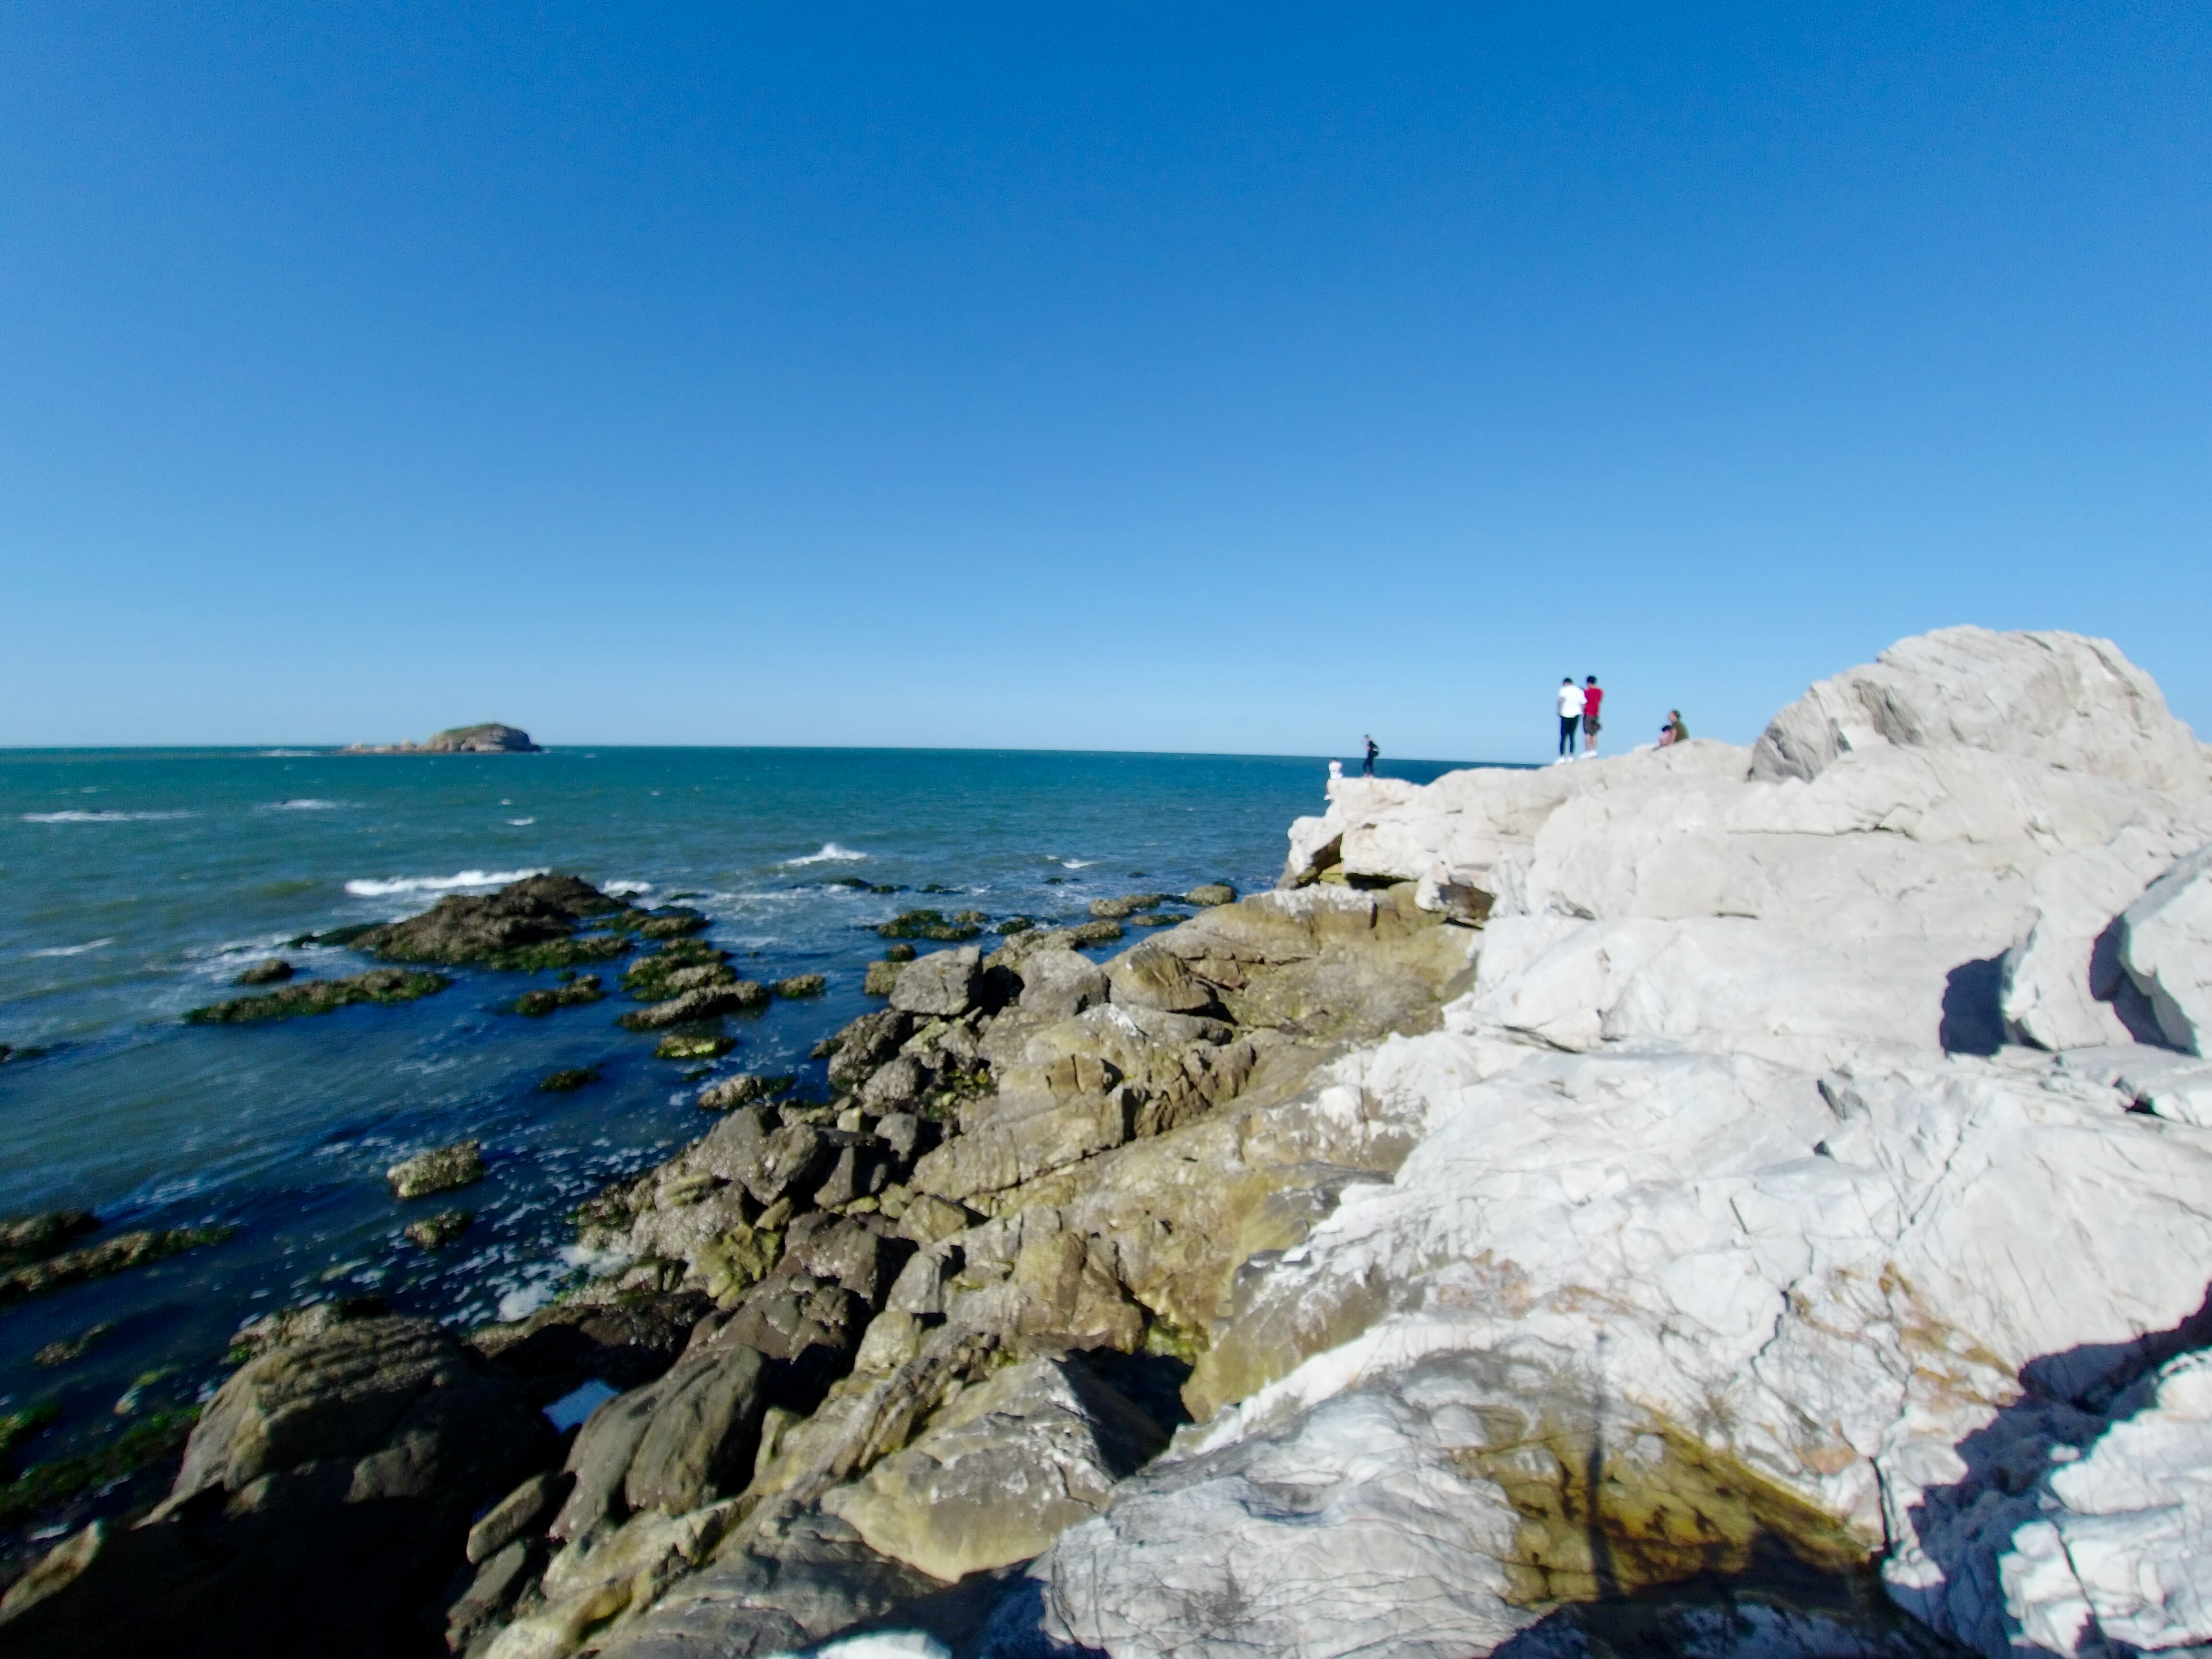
x: 489, y: 739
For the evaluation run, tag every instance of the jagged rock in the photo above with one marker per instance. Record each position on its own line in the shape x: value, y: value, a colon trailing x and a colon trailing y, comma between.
x: 498, y: 1580
x: 1150, y: 977
x: 1001, y: 1472
x: 28, y: 1238
x: 499, y: 929
x: 274, y: 971
x: 2063, y: 986
x: 896, y: 1081
x: 942, y: 984
x: 865, y: 1044
x: 700, y: 1441
x: 929, y: 1218
x: 439, y: 1170
x: 1058, y: 984
x: 366, y: 1409
x: 2058, y: 699
x: 2165, y: 946
x: 1014, y: 1147
x: 735, y: 1091
x: 812, y: 1580
x: 624, y: 1341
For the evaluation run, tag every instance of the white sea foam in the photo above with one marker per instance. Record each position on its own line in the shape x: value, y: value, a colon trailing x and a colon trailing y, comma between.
x: 371, y: 889
x: 98, y: 817
x: 622, y: 888
x: 830, y: 853
x: 288, y: 754
x: 72, y: 949
x: 1077, y: 864
x: 519, y: 822
x: 306, y: 806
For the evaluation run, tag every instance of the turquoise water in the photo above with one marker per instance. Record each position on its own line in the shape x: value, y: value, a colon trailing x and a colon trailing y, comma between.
x: 138, y: 883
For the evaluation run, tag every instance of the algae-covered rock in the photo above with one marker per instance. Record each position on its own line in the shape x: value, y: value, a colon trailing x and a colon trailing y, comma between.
x: 934, y: 924
x: 568, y: 1081
x: 540, y: 912
x: 1209, y: 894
x: 113, y: 1255
x: 274, y: 971
x: 706, y: 1003
x: 1114, y: 909
x: 881, y: 978
x: 322, y: 996
x: 734, y: 1091
x: 440, y: 1169
x: 436, y: 1232
x: 536, y: 1003
x: 800, y: 985
x: 694, y: 1045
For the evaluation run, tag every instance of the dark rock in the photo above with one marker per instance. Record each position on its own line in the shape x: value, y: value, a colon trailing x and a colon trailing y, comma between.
x: 71, y: 1348
x: 932, y: 924
x: 497, y: 1584
x: 899, y: 953
x: 274, y: 971
x: 735, y: 1091
x: 113, y: 1255
x: 569, y: 1081
x: 623, y: 1344
x: 292, y: 1325
x: 503, y: 929
x: 865, y: 1044
x: 321, y: 996
x: 536, y: 1003
x: 790, y: 1160
x: 800, y: 985
x: 709, y: 1002
x: 27, y: 1238
x: 439, y: 1170
x: 790, y: 1312
x: 434, y: 1232
x: 1111, y: 909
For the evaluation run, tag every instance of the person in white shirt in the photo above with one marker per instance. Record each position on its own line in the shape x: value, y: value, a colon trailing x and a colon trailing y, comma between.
x: 1571, y: 716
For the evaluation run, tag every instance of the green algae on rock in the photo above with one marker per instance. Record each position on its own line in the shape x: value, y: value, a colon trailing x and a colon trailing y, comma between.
x: 113, y: 1255
x: 800, y: 985
x: 935, y: 925
x: 274, y: 971
x: 516, y: 927
x: 440, y: 1169
x: 536, y: 1005
x: 321, y: 996
x: 567, y: 1082
x: 694, y: 1045
x: 434, y: 1232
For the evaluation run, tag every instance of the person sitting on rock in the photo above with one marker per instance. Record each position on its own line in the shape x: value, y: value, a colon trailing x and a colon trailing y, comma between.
x: 1673, y: 731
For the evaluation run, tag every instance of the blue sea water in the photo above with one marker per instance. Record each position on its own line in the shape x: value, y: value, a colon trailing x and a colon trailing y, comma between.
x: 138, y: 883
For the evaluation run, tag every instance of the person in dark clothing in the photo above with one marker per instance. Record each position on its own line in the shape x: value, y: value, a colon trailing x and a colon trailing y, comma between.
x: 1367, y: 766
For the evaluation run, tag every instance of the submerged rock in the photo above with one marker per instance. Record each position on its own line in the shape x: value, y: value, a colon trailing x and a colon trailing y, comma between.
x: 321, y: 996
x: 440, y: 1169
x: 536, y: 1005
x: 274, y: 971
x: 934, y: 924
x: 800, y: 985
x: 61, y: 1268
x: 434, y: 1232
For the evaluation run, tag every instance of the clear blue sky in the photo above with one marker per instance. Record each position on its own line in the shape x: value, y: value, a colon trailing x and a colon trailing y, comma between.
x: 1129, y: 376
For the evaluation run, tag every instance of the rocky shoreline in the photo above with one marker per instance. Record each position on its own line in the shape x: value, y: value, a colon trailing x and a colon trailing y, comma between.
x: 1733, y: 1201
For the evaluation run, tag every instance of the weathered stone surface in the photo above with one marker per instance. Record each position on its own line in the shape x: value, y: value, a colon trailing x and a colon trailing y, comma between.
x: 2063, y: 986
x: 434, y: 1232
x: 498, y: 1580
x: 734, y: 1091
x: 538, y: 911
x: 800, y: 985
x: 2165, y: 946
x: 1113, y: 909
x: 321, y: 996
x: 942, y: 984
x: 1010, y: 1150
x: 703, y: 1003
x: 700, y: 1443
x: 274, y: 971
x: 1152, y: 977
x: 439, y: 1170
x: 1057, y: 984
x: 1001, y: 1472
x: 1207, y: 893
x: 60, y: 1269
x: 881, y: 978
x: 519, y: 1514
x: 856, y: 1051
x: 397, y: 1406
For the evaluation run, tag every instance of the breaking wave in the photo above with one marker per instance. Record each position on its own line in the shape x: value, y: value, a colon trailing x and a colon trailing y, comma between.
x: 623, y: 889
x: 830, y: 853
x: 306, y: 806
x: 371, y: 889
x: 72, y: 950
x: 98, y: 817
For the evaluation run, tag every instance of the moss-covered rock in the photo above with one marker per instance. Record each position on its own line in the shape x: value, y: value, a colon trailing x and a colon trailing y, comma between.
x: 935, y: 925
x: 1208, y: 895
x: 688, y: 965
x: 694, y: 1045
x: 1157, y: 919
x: 321, y: 996
x: 274, y: 971
x: 1094, y: 932
x: 48, y: 1485
x: 881, y: 978
x: 800, y: 985
x: 498, y: 930
x: 1113, y: 910
x: 113, y: 1255
x: 560, y: 953
x: 567, y: 1082
x: 536, y: 1005
x: 438, y: 1170
x: 434, y: 1232
x: 735, y: 1091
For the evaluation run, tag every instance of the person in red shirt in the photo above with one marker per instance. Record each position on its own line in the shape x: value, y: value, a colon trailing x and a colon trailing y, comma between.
x: 1592, y: 696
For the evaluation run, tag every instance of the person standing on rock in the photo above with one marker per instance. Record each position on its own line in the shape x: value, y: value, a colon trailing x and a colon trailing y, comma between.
x: 1571, y: 716
x: 1593, y: 694
x: 1367, y: 766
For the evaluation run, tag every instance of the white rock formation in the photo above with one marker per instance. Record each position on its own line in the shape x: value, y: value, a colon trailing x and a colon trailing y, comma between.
x: 2165, y: 946
x: 1722, y: 1167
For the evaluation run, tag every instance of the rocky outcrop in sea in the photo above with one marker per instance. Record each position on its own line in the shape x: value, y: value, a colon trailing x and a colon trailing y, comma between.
x: 1709, y: 1200
x: 489, y: 738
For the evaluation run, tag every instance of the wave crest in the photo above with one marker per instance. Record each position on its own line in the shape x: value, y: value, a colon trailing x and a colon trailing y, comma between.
x: 367, y: 888
x: 100, y: 817
x: 830, y: 853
